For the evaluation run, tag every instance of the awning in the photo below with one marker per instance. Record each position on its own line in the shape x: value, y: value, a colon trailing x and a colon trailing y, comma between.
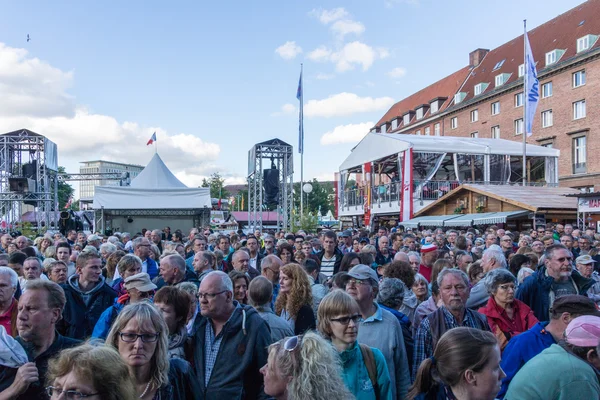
x: 431, y: 220
x: 498, y: 217
x: 466, y: 219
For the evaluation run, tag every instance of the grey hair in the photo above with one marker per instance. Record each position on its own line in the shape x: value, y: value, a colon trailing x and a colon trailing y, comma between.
x: 419, y: 277
x: 109, y: 247
x: 497, y: 255
x: 369, y: 248
x: 14, y: 278
x: 269, y: 260
x: 391, y: 293
x: 495, y: 247
x: 453, y: 271
x: 113, y: 240
x: 188, y: 287
x: 126, y: 235
x: 177, y: 260
x: 415, y: 254
x: 496, y: 277
x: 137, y: 241
x: 226, y: 283
x: 521, y: 274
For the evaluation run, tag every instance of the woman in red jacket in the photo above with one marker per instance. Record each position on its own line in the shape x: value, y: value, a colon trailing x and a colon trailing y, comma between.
x: 506, y: 315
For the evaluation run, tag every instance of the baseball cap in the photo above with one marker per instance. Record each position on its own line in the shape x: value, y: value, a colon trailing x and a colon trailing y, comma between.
x: 583, y: 331
x: 364, y: 240
x: 585, y: 259
x: 575, y: 304
x: 140, y: 282
x: 346, y: 234
x: 363, y: 272
x: 93, y: 237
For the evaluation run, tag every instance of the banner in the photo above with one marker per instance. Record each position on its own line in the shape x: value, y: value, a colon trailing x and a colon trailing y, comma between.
x: 406, y: 204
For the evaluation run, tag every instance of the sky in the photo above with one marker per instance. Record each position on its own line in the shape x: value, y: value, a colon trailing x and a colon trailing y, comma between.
x: 214, y: 78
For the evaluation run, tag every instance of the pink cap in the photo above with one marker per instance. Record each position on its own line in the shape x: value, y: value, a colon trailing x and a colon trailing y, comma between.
x: 584, y: 331
x: 427, y: 248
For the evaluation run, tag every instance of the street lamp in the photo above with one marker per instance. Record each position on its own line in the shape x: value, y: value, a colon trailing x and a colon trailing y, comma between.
x: 307, y: 188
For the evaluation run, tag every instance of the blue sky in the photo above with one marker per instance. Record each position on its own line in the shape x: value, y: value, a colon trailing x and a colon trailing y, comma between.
x: 99, y: 78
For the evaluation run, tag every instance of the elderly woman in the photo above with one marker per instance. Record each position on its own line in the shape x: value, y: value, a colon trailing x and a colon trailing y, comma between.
x: 475, y: 272
x: 128, y: 265
x: 506, y: 315
x: 428, y: 306
x: 106, y: 249
x: 414, y: 260
x: 524, y: 273
x: 140, y: 334
x: 56, y: 270
x: 304, y: 367
x: 339, y: 321
x: 420, y: 288
x: 42, y: 244
x: 174, y: 304
x: 50, y: 252
x: 240, y: 286
x: 90, y: 372
x: 294, y: 301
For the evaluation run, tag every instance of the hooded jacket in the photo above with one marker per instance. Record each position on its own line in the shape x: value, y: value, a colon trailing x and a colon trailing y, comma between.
x: 503, y: 327
x: 109, y: 315
x: 338, y: 259
x: 243, y: 351
x: 356, y: 376
x: 83, y: 309
x: 182, y: 384
x: 536, y: 290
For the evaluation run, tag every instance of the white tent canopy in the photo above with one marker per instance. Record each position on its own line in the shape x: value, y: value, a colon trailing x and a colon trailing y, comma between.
x: 156, y: 175
x: 376, y: 146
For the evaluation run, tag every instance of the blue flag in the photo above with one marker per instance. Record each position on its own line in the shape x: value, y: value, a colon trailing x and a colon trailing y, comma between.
x: 532, y: 93
x: 299, y: 96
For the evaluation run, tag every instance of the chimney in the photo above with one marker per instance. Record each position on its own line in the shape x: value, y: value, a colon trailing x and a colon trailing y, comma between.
x: 476, y: 56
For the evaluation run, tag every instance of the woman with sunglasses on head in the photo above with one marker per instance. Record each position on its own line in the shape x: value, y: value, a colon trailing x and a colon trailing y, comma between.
x: 365, y: 372
x: 294, y: 301
x: 140, y: 335
x: 304, y: 367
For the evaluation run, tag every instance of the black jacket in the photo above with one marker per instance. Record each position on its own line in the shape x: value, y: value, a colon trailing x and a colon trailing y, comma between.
x: 183, y: 384
x: 79, y: 319
x: 190, y: 276
x: 338, y: 259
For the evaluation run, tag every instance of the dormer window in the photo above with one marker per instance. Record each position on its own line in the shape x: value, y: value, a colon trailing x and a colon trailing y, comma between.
x: 553, y: 56
x: 434, y: 107
x: 458, y: 97
x: 521, y: 70
x: 420, y: 112
x: 501, y: 79
x: 480, y: 88
x: 498, y: 65
x: 586, y: 42
x: 395, y: 124
x: 383, y: 128
x: 406, y: 119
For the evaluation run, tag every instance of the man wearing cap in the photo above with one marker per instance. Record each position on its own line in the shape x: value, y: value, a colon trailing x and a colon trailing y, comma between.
x: 94, y: 240
x: 379, y: 328
x: 346, y: 246
x: 524, y: 347
x: 585, y: 265
x: 563, y: 371
x: 138, y: 287
x: 429, y: 255
x: 551, y: 281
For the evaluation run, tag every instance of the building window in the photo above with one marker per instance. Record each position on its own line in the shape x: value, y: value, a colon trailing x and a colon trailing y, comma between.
x: 579, y: 78
x: 418, y: 132
x: 475, y: 134
x: 475, y: 115
x: 579, y: 109
x: 420, y: 113
x: 383, y: 128
x: 406, y: 119
x: 458, y: 97
x: 519, y: 99
x: 427, y: 131
x: 394, y: 124
x: 501, y: 79
x: 454, y: 122
x: 436, y: 129
x: 546, y: 118
x: 478, y: 89
x: 579, y: 155
x: 521, y: 70
x: 584, y: 43
x: 496, y: 108
x: 547, y: 89
x: 553, y: 56
x: 496, y: 132
x: 434, y: 107
x: 519, y: 126
x: 498, y: 65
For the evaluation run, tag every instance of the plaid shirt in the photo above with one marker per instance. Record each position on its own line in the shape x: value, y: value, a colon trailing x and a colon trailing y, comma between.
x: 423, y: 341
x: 212, y: 345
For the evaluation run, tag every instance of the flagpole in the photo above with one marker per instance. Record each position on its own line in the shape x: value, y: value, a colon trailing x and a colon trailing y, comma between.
x: 301, y: 144
x: 524, y: 133
x: 155, y: 146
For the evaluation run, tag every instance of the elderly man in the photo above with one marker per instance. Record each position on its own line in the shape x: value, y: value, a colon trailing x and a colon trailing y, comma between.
x: 462, y: 260
x: 492, y: 258
x: 156, y: 238
x: 409, y: 240
x: 269, y: 245
x: 5, y: 241
x: 454, y: 291
x: 32, y: 269
x: 8, y: 303
x: 414, y: 259
x: 379, y: 328
x: 230, y: 344
x: 384, y: 255
x: 204, y: 262
x: 585, y: 266
x: 260, y: 295
x: 173, y: 271
x: 490, y: 239
x: 95, y: 241
x: 141, y: 248
x: 429, y: 255
x: 269, y: 268
x: 551, y: 281
x: 87, y: 297
x: 39, y: 309
x: 21, y: 242
x: 240, y: 260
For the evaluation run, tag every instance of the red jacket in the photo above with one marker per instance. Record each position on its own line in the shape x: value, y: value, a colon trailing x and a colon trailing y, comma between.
x: 501, y: 324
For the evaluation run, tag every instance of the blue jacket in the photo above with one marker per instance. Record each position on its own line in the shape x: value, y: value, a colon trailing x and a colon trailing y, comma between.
x: 106, y: 319
x: 521, y: 349
x: 356, y: 376
x: 152, y: 268
x: 535, y: 291
x: 409, y: 342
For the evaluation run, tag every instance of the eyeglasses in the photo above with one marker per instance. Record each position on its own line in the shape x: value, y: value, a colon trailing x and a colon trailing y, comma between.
x: 132, y: 337
x: 69, y: 394
x: 356, y: 318
x: 292, y: 343
x: 209, y: 296
x: 507, y: 287
x: 356, y: 282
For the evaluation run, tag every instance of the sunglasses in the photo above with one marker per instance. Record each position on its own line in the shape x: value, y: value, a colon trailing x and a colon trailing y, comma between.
x: 292, y: 343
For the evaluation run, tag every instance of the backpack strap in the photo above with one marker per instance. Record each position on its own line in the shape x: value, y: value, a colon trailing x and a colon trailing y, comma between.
x: 369, y: 360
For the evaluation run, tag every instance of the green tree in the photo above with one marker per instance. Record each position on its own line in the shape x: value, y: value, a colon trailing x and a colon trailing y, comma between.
x: 308, y: 222
x: 216, y: 183
x: 322, y: 197
x: 65, y: 191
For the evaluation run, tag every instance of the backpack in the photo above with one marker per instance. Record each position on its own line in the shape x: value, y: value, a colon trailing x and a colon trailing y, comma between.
x: 369, y: 359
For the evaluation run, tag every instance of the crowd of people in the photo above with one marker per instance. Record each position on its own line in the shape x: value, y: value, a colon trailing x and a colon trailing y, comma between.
x: 392, y: 314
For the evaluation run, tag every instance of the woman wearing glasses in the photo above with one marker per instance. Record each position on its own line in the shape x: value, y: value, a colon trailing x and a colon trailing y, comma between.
x: 506, y: 315
x: 365, y: 371
x: 304, y: 367
x: 294, y: 301
x: 140, y: 335
x: 89, y: 372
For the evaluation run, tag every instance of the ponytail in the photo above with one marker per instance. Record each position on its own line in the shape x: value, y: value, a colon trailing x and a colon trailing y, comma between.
x: 424, y: 380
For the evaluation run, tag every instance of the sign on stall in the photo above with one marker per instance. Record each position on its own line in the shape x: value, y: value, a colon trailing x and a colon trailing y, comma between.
x: 589, y: 204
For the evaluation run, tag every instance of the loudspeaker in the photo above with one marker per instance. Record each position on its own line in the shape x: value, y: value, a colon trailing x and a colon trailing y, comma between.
x: 271, y: 183
x: 30, y: 170
x: 21, y: 185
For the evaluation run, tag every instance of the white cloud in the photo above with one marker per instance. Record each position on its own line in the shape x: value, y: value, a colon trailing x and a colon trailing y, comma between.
x: 328, y: 16
x: 392, y: 3
x: 397, y: 72
x: 289, y: 50
x: 350, y: 133
x: 352, y: 54
x: 344, y: 27
x: 324, y: 77
x: 343, y: 104
x: 320, y: 54
x: 285, y: 110
x: 324, y: 177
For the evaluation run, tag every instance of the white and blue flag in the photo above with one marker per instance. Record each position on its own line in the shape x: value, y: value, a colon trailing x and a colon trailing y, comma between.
x: 532, y: 90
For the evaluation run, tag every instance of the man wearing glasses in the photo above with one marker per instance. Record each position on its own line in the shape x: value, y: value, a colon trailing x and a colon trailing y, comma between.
x: 231, y: 341
x: 551, y: 281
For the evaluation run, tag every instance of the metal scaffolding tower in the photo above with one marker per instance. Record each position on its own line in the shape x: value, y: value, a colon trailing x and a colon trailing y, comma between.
x: 28, y: 175
x: 280, y: 154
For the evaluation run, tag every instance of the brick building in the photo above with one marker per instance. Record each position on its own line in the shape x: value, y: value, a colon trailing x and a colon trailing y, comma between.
x: 485, y: 99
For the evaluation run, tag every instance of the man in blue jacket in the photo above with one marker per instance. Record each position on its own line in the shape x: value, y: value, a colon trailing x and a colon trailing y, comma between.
x: 555, y: 279
x: 529, y: 344
x: 230, y: 345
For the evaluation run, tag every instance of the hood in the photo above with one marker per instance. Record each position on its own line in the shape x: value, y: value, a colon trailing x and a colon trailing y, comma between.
x: 74, y: 283
x: 583, y: 284
x: 410, y: 299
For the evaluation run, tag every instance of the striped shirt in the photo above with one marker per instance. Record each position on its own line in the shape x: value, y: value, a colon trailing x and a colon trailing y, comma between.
x: 327, y: 265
